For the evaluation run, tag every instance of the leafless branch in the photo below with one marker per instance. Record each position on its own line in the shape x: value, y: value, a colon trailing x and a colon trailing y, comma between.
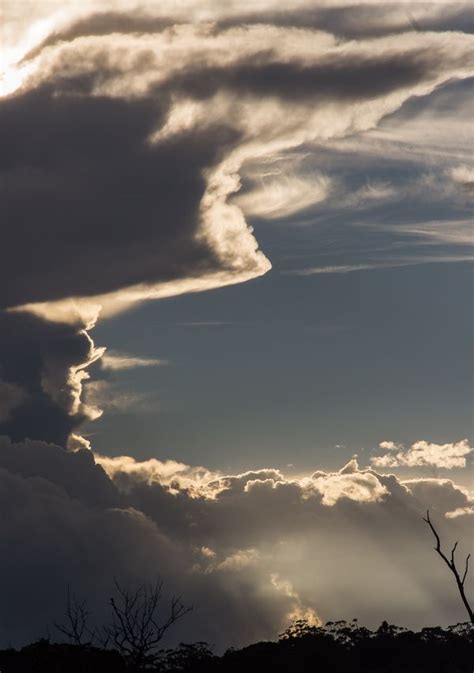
x: 75, y: 627
x: 136, y: 630
x: 451, y: 563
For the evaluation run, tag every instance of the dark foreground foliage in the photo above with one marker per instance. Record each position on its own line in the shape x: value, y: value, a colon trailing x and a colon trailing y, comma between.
x: 338, y: 646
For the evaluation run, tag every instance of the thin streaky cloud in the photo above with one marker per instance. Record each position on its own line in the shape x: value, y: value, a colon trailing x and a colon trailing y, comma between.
x: 349, y: 268
x: 114, y: 360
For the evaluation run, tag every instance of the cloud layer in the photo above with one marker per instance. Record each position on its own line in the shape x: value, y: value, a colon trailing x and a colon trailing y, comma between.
x: 250, y: 551
x: 424, y: 454
x: 126, y: 136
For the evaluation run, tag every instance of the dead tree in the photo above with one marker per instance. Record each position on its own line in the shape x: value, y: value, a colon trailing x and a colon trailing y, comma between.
x: 136, y: 630
x: 451, y: 563
x: 76, y: 627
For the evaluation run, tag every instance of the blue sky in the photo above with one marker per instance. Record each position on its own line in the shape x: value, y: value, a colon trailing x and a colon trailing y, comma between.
x: 301, y: 368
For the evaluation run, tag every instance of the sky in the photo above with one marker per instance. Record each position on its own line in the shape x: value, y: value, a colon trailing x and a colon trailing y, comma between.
x: 235, y: 309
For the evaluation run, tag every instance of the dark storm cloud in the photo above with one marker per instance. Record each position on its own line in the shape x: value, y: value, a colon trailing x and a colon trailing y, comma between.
x: 332, y: 79
x: 250, y: 551
x: 93, y: 206
x: 75, y: 472
x: 67, y: 525
x: 359, y: 21
x: 36, y: 357
x: 90, y: 205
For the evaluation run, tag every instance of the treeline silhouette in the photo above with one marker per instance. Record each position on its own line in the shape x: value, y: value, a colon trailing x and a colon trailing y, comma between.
x: 131, y: 641
x: 337, y: 646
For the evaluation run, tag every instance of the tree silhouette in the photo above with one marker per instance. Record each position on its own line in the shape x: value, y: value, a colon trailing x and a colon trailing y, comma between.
x: 135, y: 630
x: 337, y: 647
x: 451, y: 563
x: 76, y: 627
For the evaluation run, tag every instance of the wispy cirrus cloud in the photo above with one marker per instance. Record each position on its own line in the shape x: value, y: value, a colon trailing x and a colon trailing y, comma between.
x: 116, y: 361
x: 388, y: 264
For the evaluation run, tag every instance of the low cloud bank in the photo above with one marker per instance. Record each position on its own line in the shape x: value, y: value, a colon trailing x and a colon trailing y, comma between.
x: 250, y: 551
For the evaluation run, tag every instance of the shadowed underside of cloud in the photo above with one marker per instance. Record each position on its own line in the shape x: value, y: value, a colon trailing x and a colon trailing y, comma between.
x: 46, y: 361
x: 251, y: 551
x: 97, y: 207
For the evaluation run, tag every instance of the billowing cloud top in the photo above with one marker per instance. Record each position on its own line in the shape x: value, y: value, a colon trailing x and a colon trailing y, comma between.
x: 251, y: 551
x: 423, y: 453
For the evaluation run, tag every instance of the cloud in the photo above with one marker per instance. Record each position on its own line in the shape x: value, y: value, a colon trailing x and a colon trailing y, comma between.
x: 338, y: 268
x: 370, y: 19
x: 110, y: 397
x: 388, y: 264
x: 42, y: 368
x: 103, y: 175
x: 454, y: 232
x: 127, y: 137
x: 251, y: 551
x: 192, y: 103
x: 424, y: 454
x: 463, y: 176
x: 280, y: 196
x: 114, y: 361
x: 442, y: 494
x: 365, y: 19
x: 169, y: 473
x: 349, y: 483
x: 11, y: 396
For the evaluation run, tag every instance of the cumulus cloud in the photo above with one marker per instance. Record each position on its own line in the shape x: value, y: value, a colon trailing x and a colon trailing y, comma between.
x: 170, y: 473
x: 424, y: 454
x: 349, y: 483
x: 42, y: 367
x: 251, y: 551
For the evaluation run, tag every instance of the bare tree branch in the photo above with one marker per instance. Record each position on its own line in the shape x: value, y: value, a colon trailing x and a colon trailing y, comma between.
x: 136, y: 630
x: 76, y: 627
x: 452, y: 565
x: 466, y: 569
